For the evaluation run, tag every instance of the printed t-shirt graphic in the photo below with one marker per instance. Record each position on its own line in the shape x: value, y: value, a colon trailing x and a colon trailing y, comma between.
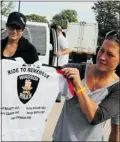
x: 28, y: 95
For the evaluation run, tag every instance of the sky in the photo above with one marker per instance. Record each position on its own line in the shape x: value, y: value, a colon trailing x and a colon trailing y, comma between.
x: 49, y: 9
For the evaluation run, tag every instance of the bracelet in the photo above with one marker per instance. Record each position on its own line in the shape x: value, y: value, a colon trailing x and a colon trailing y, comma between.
x: 80, y: 90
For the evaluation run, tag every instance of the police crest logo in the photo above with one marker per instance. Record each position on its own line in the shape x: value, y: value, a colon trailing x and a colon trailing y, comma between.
x: 26, y: 87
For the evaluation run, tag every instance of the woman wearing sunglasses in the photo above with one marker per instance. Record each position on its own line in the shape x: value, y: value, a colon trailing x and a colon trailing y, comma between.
x: 96, y: 96
x: 15, y: 45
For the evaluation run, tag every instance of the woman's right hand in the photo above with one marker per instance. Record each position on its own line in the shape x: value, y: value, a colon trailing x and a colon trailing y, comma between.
x: 73, y: 73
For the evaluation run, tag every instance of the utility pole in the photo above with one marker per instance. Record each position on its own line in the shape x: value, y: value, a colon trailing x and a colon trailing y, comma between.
x: 19, y: 6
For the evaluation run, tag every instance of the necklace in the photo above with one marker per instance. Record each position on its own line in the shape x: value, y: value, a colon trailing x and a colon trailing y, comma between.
x: 100, y: 80
x: 95, y: 83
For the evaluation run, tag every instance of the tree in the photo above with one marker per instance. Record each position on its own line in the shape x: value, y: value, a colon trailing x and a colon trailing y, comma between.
x: 107, y: 15
x: 36, y: 18
x: 6, y: 8
x: 64, y: 16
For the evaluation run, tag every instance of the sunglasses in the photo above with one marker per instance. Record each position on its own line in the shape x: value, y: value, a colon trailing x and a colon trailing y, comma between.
x: 18, y: 29
x: 113, y: 35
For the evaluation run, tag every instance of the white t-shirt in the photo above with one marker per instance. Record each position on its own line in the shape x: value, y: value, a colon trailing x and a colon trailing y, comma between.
x: 62, y: 44
x: 28, y: 95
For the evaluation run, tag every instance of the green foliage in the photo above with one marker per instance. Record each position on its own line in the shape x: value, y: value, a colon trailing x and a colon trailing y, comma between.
x: 36, y: 18
x: 64, y: 16
x: 107, y: 15
x: 6, y: 8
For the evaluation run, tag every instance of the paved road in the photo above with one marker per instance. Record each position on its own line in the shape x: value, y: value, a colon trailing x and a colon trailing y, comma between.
x: 53, y: 117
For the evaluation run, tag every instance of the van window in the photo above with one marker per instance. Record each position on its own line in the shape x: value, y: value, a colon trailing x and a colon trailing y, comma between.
x: 37, y: 36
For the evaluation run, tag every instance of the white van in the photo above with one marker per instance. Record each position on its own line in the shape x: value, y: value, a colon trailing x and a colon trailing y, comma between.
x: 41, y: 36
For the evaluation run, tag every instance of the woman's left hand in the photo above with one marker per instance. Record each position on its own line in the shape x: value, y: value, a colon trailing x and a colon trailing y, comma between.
x: 73, y: 73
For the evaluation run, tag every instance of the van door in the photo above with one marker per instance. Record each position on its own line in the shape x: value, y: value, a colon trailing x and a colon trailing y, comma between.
x: 72, y: 35
x: 38, y: 35
x: 53, y: 59
x: 89, y: 36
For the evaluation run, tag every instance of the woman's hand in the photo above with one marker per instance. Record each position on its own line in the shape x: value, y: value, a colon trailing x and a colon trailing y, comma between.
x: 73, y: 73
